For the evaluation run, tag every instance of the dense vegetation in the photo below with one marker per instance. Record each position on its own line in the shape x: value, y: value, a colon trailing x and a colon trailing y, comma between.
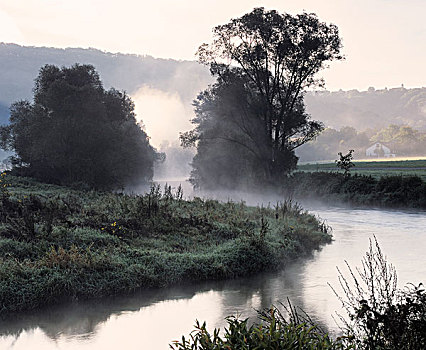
x: 376, y: 169
x: 402, y: 140
x: 250, y: 121
x: 390, y: 191
x: 77, y: 132
x: 379, y: 317
x: 275, y: 331
x: 57, y: 243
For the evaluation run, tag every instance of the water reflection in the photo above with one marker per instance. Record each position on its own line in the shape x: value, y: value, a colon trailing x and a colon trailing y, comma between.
x: 153, y: 318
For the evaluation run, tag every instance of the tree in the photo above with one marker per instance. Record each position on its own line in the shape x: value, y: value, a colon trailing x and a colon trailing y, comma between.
x: 263, y: 62
x: 403, y: 139
x: 345, y: 161
x: 77, y: 132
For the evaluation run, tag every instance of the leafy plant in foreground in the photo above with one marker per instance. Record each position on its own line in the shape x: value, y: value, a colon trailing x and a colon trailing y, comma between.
x: 275, y: 331
x: 381, y: 316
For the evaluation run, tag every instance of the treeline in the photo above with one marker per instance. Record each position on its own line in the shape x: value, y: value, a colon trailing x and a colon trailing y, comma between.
x: 374, y: 109
x: 402, y: 140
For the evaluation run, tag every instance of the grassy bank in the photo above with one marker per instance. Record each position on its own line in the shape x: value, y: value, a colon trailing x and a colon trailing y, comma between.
x: 58, y: 243
x: 387, y: 191
x: 375, y: 169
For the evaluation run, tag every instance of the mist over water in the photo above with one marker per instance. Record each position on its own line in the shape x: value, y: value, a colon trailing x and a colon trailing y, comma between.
x: 154, y: 318
x: 163, y: 114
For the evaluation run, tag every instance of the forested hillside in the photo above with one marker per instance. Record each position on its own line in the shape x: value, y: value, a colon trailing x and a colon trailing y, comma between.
x: 20, y: 64
x: 366, y: 111
x: 375, y: 109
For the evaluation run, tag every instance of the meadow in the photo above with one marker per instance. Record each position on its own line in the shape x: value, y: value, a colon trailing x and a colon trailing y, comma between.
x: 383, y: 183
x: 376, y: 169
x: 58, y: 244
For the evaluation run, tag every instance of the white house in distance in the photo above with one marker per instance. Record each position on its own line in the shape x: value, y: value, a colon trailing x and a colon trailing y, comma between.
x: 379, y: 150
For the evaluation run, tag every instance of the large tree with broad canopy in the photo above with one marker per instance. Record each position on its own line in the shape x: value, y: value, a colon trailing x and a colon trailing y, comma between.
x: 263, y: 62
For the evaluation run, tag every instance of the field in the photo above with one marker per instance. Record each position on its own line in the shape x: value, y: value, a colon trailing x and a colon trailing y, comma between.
x: 376, y: 169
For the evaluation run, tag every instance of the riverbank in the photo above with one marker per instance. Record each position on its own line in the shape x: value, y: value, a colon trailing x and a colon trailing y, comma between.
x: 375, y: 168
x: 395, y: 191
x: 60, y: 244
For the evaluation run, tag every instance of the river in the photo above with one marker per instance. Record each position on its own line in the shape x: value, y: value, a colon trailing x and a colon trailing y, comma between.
x: 152, y: 319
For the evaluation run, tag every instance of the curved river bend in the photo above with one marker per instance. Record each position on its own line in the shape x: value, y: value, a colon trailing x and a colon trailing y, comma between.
x: 152, y: 319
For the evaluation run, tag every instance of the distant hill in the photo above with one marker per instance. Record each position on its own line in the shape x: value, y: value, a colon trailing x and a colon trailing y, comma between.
x: 372, y: 109
x: 19, y: 65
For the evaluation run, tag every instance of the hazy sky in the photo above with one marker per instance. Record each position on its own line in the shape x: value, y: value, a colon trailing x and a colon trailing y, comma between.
x: 384, y: 40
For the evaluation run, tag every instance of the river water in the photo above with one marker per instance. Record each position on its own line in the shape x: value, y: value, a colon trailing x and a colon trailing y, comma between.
x: 153, y: 319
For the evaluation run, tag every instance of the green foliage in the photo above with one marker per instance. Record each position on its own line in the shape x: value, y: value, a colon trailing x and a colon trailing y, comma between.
x: 390, y: 191
x: 125, y: 71
x: 345, y: 161
x: 325, y: 145
x: 75, y: 132
x: 57, y: 243
x: 250, y: 121
x: 404, y: 139
x: 376, y: 169
x: 273, y: 332
x: 380, y: 315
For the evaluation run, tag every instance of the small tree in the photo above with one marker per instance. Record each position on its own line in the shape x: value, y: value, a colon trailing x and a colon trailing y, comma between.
x: 344, y: 162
